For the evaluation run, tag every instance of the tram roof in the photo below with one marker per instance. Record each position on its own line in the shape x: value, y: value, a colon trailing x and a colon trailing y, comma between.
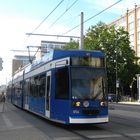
x: 58, y: 54
x: 66, y: 53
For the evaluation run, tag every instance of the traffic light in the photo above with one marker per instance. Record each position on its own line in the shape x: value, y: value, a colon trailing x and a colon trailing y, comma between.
x: 1, y: 61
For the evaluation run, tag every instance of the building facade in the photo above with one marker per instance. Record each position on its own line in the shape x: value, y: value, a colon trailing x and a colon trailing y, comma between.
x: 18, y: 62
x: 47, y: 45
x: 131, y: 22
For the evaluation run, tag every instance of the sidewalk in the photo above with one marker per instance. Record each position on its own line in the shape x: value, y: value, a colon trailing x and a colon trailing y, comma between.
x: 130, y: 103
x: 16, y: 124
x: 2, y: 107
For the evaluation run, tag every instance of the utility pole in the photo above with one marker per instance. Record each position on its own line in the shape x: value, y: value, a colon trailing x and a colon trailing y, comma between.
x: 138, y: 86
x: 117, y: 80
x: 1, y: 61
x: 81, y: 32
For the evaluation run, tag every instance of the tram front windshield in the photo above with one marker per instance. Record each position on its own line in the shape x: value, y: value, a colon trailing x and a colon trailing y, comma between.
x: 88, y: 83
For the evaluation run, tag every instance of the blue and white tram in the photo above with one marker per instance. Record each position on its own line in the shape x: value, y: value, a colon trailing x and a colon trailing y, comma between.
x: 65, y: 86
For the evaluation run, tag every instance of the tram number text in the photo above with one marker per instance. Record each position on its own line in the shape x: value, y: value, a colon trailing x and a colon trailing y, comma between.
x: 76, y: 111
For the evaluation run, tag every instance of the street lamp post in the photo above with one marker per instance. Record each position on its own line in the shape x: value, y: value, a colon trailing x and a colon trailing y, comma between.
x: 138, y: 86
x: 117, y: 81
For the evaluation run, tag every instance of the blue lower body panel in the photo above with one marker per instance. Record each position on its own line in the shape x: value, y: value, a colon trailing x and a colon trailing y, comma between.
x: 37, y: 105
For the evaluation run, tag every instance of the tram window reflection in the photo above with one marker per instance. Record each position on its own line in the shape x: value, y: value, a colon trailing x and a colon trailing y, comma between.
x: 62, y: 83
x: 96, y: 88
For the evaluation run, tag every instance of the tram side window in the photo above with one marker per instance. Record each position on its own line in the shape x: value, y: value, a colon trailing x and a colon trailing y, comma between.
x: 62, y: 83
x: 27, y: 86
x: 18, y: 89
x: 42, y: 85
x: 37, y: 86
x: 32, y: 87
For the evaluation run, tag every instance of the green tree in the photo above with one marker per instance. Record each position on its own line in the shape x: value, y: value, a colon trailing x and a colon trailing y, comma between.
x: 120, y: 57
x: 71, y: 45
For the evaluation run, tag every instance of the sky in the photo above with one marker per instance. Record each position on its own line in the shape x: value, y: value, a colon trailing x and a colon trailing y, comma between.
x: 18, y: 17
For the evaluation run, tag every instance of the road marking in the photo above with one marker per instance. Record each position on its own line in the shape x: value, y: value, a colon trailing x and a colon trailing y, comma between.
x: 7, y: 121
x: 93, y: 136
x: 105, y: 136
x: 16, y: 128
x: 67, y: 138
x: 114, y: 135
x: 98, y: 136
x: 134, y: 134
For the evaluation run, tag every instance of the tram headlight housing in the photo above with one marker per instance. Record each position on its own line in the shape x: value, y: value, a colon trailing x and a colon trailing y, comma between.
x: 104, y: 103
x: 77, y: 104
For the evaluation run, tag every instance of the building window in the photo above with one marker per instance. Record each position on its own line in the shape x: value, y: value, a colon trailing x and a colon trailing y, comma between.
x: 131, y: 17
x: 139, y: 22
x: 138, y: 35
x: 131, y: 26
x: 132, y: 46
x: 131, y: 37
x: 138, y: 50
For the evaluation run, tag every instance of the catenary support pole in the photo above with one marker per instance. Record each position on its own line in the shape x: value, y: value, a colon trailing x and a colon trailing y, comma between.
x: 81, y: 32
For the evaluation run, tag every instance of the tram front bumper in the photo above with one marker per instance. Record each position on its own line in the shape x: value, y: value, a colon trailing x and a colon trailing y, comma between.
x: 73, y: 120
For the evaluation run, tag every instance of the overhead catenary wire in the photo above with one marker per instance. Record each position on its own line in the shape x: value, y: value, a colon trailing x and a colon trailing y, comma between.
x: 44, y: 19
x: 48, y: 15
x: 93, y: 16
x: 63, y: 13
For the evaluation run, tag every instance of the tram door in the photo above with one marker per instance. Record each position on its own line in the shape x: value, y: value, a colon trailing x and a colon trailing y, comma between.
x: 48, y: 85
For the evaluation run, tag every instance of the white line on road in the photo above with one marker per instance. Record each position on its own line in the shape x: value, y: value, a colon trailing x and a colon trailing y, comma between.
x: 16, y: 128
x: 99, y: 136
x: 114, y: 135
x: 105, y: 136
x: 134, y: 134
x: 67, y: 138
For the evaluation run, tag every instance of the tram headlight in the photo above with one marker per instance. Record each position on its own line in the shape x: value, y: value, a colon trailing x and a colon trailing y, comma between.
x: 104, y: 103
x: 77, y: 104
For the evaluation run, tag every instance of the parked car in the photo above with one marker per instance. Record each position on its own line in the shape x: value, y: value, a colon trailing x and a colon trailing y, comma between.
x: 111, y: 97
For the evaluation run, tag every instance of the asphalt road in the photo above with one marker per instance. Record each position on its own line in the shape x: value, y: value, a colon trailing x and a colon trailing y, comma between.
x: 16, y: 124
